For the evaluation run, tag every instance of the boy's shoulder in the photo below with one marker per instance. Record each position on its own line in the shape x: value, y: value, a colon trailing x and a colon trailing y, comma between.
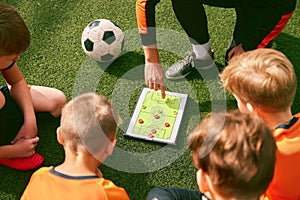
x: 287, y: 135
x: 100, y: 186
x: 41, y: 170
x: 290, y: 126
x: 112, y: 191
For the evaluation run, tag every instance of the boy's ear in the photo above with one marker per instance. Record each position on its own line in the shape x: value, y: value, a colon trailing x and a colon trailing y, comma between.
x: 203, y: 182
x: 250, y: 107
x: 111, y: 145
x: 59, y: 136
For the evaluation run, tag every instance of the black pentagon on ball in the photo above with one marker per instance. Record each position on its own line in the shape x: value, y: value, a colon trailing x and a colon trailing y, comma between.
x: 109, y: 37
x: 89, y: 45
x: 106, y: 57
x: 94, y: 24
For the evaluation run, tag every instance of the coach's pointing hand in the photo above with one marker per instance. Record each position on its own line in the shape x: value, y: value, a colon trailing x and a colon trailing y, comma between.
x: 154, y: 75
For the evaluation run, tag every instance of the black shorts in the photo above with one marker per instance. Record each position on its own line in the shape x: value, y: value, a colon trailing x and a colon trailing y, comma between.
x: 11, y: 118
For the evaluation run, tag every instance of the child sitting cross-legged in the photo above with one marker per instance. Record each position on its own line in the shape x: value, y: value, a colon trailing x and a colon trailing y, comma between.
x: 20, y: 102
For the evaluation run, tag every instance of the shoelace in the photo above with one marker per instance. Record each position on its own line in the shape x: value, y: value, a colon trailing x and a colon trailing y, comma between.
x: 188, y: 59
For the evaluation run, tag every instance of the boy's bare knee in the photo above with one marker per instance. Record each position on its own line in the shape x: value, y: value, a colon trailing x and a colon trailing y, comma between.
x: 58, y: 103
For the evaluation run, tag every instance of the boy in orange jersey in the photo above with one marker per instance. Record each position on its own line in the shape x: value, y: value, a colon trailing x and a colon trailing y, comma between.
x: 263, y: 81
x: 18, y: 101
x: 88, y: 135
x: 234, y: 154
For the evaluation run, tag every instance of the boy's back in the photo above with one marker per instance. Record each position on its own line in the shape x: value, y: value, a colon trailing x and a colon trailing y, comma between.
x: 55, y: 185
x: 87, y: 133
x: 287, y: 173
x: 263, y: 81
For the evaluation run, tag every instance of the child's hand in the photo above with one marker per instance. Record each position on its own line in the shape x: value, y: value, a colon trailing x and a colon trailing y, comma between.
x: 25, y: 147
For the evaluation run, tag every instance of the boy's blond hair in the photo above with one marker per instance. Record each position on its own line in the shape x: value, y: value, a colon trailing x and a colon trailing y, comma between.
x: 241, y: 162
x: 14, y: 34
x: 264, y: 77
x: 88, y: 121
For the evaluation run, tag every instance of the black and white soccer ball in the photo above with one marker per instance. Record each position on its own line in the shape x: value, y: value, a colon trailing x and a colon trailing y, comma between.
x: 102, y: 40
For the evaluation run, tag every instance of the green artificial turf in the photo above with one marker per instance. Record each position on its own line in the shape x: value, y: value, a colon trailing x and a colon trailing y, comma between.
x: 56, y: 59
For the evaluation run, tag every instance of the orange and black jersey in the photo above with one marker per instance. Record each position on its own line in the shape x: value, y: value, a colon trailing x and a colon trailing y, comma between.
x: 145, y: 11
x: 285, y: 184
x: 48, y: 184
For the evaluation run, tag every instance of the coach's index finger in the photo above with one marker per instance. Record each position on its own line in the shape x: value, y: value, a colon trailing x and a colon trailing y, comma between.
x: 163, y: 91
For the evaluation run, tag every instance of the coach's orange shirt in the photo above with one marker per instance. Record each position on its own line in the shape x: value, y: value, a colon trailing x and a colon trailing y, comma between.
x: 286, y: 181
x: 48, y: 184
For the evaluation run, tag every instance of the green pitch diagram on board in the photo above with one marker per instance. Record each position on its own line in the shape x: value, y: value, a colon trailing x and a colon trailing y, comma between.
x: 155, y: 118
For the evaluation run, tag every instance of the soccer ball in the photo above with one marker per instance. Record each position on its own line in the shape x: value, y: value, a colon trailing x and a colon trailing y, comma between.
x: 102, y: 40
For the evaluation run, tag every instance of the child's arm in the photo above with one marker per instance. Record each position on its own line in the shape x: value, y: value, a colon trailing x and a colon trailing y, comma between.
x: 20, y: 93
x: 2, y: 100
x: 22, y: 148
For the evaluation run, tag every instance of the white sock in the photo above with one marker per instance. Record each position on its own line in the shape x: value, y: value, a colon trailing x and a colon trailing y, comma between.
x: 202, y: 50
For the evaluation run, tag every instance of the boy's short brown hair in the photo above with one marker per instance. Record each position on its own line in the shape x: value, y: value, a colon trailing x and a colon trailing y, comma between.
x: 88, y: 121
x: 14, y: 34
x: 264, y: 77
x: 237, y: 151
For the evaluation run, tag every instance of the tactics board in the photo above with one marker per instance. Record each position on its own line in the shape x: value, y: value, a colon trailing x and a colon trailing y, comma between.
x: 155, y: 118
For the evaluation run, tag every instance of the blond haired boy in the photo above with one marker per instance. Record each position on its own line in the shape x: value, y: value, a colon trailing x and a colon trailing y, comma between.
x: 234, y: 154
x: 88, y: 135
x: 263, y: 81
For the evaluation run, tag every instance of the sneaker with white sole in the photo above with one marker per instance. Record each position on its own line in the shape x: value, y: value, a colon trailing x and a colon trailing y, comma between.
x: 184, y: 67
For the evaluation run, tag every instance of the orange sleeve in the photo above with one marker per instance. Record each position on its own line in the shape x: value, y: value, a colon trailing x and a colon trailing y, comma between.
x: 112, y: 191
x: 285, y: 184
x: 25, y: 195
x: 141, y: 16
x: 145, y: 14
